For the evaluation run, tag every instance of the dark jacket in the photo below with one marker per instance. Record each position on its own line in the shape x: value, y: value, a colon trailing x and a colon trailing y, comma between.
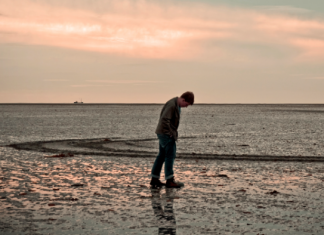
x: 169, y: 119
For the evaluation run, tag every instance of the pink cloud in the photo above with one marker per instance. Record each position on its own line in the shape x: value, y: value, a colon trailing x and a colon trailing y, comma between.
x: 312, y: 47
x: 145, y: 30
x: 151, y: 29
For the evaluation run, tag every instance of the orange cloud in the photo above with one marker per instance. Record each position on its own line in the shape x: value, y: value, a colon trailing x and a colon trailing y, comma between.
x: 311, y: 47
x: 123, y: 81
x: 145, y: 30
x: 156, y: 30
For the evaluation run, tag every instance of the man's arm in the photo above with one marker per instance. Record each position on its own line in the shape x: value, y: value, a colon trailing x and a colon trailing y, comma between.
x: 166, y: 117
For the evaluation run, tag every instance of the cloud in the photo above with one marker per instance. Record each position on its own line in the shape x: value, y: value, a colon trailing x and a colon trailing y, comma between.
x: 105, y: 83
x: 123, y: 81
x: 170, y: 30
x: 283, y: 9
x: 312, y: 47
x: 88, y: 85
x: 55, y: 80
x: 314, y: 78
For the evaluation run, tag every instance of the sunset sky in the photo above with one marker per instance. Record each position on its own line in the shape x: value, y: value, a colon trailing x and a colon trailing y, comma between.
x: 129, y: 51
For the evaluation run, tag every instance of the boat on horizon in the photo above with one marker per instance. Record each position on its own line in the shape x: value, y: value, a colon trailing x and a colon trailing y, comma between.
x: 76, y: 102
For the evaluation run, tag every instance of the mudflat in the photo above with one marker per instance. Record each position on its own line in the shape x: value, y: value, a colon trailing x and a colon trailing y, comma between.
x: 247, y: 169
x: 41, y: 193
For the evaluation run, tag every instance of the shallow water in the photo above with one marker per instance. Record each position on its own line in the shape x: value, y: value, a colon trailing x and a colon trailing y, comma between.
x: 96, y: 193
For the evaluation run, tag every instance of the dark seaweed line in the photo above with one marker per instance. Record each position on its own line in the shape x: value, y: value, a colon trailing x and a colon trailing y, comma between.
x: 37, y: 146
x: 98, y: 145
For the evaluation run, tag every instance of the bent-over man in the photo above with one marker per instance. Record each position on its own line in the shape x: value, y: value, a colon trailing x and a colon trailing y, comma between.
x: 167, y: 133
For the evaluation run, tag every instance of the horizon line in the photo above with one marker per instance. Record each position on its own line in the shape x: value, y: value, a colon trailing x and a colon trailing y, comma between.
x: 17, y: 103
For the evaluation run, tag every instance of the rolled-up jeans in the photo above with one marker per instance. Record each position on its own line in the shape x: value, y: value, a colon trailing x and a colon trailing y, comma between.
x: 167, y: 154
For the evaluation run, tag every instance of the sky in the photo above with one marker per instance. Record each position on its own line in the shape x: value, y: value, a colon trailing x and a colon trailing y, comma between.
x: 148, y: 51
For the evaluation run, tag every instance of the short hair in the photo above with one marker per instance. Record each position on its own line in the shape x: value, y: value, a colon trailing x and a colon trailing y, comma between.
x: 188, y: 97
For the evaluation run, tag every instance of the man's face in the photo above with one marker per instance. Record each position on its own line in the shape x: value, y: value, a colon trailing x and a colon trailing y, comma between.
x: 183, y: 103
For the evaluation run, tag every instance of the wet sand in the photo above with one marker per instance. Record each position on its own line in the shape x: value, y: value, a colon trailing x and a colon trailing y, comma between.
x: 101, y: 194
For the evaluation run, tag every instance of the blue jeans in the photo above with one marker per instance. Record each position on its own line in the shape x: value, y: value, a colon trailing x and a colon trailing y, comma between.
x: 167, y: 154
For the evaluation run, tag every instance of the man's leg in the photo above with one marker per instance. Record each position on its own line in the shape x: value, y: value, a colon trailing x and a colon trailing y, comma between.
x: 158, y: 163
x: 170, y: 155
x: 157, y: 167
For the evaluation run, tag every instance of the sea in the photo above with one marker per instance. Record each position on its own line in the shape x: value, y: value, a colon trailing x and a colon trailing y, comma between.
x: 212, y: 129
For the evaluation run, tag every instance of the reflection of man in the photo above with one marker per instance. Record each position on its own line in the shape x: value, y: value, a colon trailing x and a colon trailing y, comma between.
x: 165, y: 218
x: 167, y: 132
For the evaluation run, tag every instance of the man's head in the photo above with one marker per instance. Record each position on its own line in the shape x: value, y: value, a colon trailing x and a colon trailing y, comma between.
x: 186, y: 99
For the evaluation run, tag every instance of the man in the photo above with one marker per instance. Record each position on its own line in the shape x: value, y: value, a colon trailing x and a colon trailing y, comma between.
x: 167, y: 132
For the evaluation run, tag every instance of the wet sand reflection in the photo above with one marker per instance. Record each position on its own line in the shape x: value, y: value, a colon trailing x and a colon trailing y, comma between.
x: 165, y: 217
x: 96, y: 194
